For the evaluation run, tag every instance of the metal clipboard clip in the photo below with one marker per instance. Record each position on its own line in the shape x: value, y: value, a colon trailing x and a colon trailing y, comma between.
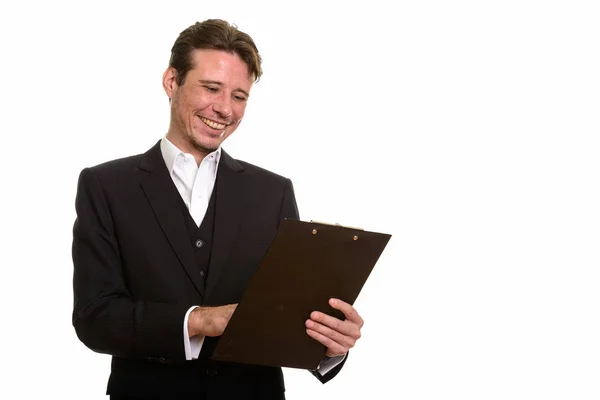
x: 336, y: 224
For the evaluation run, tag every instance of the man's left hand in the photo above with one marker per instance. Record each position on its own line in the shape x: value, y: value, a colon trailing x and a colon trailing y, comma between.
x: 338, y: 336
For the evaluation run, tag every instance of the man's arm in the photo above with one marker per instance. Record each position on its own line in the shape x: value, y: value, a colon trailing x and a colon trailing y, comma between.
x: 105, y: 317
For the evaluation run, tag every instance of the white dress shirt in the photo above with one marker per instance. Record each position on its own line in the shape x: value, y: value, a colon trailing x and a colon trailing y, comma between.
x: 195, y: 185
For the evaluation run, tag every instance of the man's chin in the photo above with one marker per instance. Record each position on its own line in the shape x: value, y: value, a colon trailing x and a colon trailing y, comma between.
x: 206, y: 146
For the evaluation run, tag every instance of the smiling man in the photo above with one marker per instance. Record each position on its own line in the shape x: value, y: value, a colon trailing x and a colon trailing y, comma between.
x: 207, y: 103
x: 166, y: 241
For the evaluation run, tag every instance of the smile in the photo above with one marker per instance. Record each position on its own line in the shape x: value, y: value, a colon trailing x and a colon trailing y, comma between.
x: 213, y: 124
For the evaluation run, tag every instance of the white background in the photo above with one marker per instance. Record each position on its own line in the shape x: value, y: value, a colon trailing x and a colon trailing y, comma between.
x: 466, y: 129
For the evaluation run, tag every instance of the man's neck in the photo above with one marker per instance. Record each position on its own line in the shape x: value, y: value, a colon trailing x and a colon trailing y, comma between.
x: 186, y: 147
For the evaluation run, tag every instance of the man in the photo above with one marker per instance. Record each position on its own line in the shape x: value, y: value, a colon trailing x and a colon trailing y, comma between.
x: 165, y: 242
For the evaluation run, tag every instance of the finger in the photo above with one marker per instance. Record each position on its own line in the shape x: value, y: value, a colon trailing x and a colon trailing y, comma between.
x: 348, y: 327
x: 333, y: 348
x: 349, y: 311
x: 346, y: 341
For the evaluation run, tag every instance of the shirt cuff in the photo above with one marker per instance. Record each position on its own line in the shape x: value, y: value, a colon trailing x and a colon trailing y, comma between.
x: 192, y: 345
x: 329, y: 363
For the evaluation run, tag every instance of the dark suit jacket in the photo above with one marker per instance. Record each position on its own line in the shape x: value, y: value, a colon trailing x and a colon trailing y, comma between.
x: 135, y: 274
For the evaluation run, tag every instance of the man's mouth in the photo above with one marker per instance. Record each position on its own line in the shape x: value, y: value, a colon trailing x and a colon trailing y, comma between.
x: 213, y: 124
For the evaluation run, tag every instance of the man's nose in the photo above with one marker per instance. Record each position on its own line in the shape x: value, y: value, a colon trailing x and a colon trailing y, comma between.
x: 222, y: 106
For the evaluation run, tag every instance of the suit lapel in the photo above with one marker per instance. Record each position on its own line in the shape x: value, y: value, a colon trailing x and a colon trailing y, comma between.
x: 163, y: 198
x: 231, y: 194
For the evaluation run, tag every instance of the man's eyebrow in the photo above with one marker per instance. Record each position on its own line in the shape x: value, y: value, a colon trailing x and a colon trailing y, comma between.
x: 209, y: 82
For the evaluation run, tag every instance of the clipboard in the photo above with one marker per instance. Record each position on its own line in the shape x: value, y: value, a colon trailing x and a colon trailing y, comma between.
x: 306, y: 264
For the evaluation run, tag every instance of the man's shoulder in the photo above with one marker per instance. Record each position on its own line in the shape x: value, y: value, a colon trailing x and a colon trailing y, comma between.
x: 253, y: 169
x: 117, y: 165
x: 129, y: 163
x: 123, y: 165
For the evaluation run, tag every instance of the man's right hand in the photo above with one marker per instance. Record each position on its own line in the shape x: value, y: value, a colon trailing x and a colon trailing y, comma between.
x: 210, y: 321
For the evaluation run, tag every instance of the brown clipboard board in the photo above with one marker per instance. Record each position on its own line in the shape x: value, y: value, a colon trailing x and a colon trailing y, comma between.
x: 306, y: 264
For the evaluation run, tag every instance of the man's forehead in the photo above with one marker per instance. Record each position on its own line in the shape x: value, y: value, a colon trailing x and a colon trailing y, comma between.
x: 204, y: 60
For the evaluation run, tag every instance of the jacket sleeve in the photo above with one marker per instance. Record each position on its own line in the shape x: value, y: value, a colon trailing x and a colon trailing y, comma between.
x: 289, y: 208
x: 332, y: 373
x: 105, y: 317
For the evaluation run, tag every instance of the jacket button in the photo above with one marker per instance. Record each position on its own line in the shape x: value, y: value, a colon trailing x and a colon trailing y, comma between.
x: 199, y: 243
x: 211, y: 372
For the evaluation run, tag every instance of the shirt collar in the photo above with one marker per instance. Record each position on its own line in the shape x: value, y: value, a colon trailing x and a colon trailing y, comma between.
x: 170, y: 152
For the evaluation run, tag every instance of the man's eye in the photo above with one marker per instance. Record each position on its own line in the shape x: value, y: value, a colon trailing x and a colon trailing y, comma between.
x: 239, y: 98
x: 212, y: 89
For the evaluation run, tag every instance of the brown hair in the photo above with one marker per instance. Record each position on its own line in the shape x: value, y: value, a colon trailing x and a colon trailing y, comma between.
x: 215, y: 34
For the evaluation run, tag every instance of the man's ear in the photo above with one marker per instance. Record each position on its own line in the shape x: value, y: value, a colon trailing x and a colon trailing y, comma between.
x: 169, y: 83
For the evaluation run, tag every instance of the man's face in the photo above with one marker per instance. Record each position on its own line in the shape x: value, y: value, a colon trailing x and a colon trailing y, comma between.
x: 210, y: 104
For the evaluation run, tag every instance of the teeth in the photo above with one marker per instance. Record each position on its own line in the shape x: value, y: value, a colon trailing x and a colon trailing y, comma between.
x: 213, y: 124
